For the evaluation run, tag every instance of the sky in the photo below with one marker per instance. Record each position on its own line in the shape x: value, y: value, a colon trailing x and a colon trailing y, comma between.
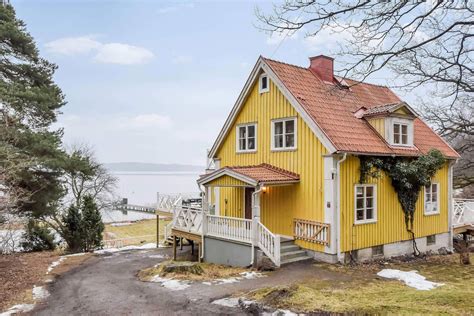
x: 154, y: 81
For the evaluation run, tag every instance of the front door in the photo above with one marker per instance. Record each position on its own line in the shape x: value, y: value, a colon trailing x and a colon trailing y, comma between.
x: 248, y: 202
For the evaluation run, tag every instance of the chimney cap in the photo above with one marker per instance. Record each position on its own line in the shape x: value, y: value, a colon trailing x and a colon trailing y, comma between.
x: 321, y: 56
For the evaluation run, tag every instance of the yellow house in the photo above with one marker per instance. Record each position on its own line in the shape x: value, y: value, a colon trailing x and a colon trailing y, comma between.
x: 283, y: 176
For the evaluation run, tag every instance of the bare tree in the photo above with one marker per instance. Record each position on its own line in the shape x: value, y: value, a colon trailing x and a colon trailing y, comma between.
x: 425, y: 43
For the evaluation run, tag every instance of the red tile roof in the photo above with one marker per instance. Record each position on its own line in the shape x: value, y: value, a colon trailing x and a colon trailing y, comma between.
x: 332, y: 109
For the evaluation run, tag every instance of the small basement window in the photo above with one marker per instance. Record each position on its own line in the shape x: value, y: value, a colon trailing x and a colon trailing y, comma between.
x: 377, y: 251
x: 264, y: 85
x: 431, y: 240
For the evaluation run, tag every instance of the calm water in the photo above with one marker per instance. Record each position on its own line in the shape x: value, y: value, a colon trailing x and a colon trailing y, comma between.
x: 141, y: 187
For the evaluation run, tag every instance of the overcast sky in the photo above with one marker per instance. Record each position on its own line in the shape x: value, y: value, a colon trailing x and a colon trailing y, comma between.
x: 153, y: 81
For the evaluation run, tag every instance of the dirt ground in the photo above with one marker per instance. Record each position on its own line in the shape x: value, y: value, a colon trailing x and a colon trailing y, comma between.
x: 21, y: 271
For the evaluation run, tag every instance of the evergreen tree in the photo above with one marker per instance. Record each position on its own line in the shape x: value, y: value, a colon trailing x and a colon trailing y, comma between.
x: 92, y: 225
x: 30, y: 154
x: 72, y: 231
x: 37, y: 237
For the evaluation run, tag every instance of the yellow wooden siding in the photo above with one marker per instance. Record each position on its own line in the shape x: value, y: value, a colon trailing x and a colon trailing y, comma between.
x: 279, y: 205
x: 390, y: 225
x: 403, y: 111
x: 231, y: 201
x: 226, y: 181
x: 379, y: 125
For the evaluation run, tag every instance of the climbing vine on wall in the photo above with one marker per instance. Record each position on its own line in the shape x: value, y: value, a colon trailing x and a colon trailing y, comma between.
x: 408, y: 175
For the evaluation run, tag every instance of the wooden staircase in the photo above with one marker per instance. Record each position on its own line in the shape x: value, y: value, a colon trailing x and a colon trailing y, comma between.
x: 290, y: 252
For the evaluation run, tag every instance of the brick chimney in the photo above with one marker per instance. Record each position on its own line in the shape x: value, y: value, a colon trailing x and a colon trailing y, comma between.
x: 323, y: 67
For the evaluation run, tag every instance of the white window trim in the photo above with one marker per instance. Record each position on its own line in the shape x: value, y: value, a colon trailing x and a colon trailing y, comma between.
x: 272, y: 134
x: 437, y: 200
x: 237, y: 138
x: 260, y: 89
x: 366, y: 221
x: 389, y: 131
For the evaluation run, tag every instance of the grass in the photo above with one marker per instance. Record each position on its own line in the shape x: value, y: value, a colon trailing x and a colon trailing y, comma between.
x: 210, y: 272
x: 365, y: 293
x: 145, y: 229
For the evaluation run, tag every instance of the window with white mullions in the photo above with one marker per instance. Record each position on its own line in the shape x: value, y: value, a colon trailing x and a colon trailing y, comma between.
x: 284, y: 134
x: 365, y: 204
x: 247, y: 138
x: 400, y: 134
x: 432, y: 199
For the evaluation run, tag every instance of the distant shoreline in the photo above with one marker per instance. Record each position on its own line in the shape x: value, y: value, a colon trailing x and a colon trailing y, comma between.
x: 155, y: 173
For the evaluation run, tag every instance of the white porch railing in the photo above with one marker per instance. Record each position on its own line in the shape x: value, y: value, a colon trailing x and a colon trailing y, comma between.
x: 463, y: 212
x: 269, y: 243
x: 167, y: 202
x: 238, y: 229
x: 311, y: 231
x: 188, y: 219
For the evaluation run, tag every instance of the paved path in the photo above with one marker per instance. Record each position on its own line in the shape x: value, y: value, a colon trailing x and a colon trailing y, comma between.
x: 107, y: 285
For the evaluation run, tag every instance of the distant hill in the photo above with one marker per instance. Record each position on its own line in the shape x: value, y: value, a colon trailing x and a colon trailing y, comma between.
x: 152, y: 167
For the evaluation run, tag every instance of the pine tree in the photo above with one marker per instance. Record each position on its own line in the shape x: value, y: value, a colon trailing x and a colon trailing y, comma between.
x: 30, y: 154
x: 72, y: 231
x: 92, y: 225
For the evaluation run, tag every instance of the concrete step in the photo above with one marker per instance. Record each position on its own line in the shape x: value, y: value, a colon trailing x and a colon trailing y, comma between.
x: 293, y: 254
x: 297, y: 259
x: 288, y: 248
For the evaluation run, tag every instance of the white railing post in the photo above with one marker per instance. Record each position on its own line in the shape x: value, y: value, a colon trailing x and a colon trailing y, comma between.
x: 255, y: 222
x: 277, y: 250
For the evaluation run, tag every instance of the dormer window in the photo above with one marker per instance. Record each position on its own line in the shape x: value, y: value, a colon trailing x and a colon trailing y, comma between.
x: 263, y: 84
x: 400, y: 134
x: 400, y: 131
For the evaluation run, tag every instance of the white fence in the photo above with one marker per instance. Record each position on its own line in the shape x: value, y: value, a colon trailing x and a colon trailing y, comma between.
x: 311, y: 231
x: 238, y: 229
x: 188, y: 219
x: 168, y: 202
x: 463, y: 212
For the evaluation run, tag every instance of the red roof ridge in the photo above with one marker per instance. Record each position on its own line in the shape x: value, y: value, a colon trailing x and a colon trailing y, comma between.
x: 280, y: 170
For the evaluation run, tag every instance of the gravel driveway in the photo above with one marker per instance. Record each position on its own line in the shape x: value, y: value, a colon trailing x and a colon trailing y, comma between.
x: 107, y: 285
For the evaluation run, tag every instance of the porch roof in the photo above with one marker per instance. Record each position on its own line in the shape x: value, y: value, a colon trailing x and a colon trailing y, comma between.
x: 262, y: 174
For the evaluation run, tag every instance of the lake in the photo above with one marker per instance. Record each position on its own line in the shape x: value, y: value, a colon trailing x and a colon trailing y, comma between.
x: 141, y: 187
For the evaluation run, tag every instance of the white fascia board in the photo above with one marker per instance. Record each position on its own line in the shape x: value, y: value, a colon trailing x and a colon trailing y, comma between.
x: 228, y: 172
x: 262, y: 65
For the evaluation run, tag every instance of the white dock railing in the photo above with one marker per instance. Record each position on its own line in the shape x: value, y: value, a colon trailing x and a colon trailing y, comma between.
x: 238, y: 229
x: 269, y: 243
x: 463, y: 212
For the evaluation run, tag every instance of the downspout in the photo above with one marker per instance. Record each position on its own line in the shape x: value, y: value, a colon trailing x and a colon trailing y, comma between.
x: 338, y: 205
x: 450, y: 204
x: 204, y: 225
x: 254, y: 229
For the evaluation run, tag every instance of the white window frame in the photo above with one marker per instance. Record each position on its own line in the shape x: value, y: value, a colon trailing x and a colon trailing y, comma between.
x: 390, y: 131
x: 260, y: 89
x: 237, y: 138
x: 272, y: 134
x: 365, y: 221
x: 427, y: 210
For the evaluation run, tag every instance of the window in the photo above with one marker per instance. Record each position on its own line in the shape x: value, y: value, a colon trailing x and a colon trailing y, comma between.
x: 431, y: 240
x: 365, y: 204
x: 400, y: 134
x: 263, y: 84
x: 247, y: 138
x: 432, y: 198
x: 377, y: 251
x: 284, y: 134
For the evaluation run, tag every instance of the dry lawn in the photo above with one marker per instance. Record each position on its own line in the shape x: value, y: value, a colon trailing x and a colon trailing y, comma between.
x: 140, y: 232
x: 211, y: 272
x: 366, y: 293
x: 19, y: 272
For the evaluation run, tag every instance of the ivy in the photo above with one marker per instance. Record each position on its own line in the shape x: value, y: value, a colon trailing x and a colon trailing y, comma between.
x: 408, y: 175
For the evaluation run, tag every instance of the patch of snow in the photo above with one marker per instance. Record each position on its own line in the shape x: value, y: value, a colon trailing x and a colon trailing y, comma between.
x: 227, y: 302
x: 55, y: 264
x: 39, y: 293
x: 281, y: 312
x: 243, y: 275
x: 121, y: 224
x: 171, y: 284
x: 17, y: 309
x: 156, y: 256
x: 75, y: 254
x: 252, y: 275
x: 239, y: 302
x: 411, y: 278
x: 112, y: 250
x: 207, y: 283
x: 227, y: 281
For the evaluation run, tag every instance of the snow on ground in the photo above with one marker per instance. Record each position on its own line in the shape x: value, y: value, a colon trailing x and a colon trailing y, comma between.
x: 39, y: 293
x: 411, y: 278
x: 18, y: 309
x: 112, y: 250
x: 244, y: 275
x: 239, y: 302
x: 55, y: 264
x: 121, y: 224
x: 156, y: 256
x: 171, y: 284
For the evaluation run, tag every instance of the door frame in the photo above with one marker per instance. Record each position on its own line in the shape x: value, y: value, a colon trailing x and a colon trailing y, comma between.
x: 246, y: 189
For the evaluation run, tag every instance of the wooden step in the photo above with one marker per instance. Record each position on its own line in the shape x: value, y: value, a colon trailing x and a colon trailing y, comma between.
x: 293, y: 254
x: 297, y: 259
x: 288, y: 248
